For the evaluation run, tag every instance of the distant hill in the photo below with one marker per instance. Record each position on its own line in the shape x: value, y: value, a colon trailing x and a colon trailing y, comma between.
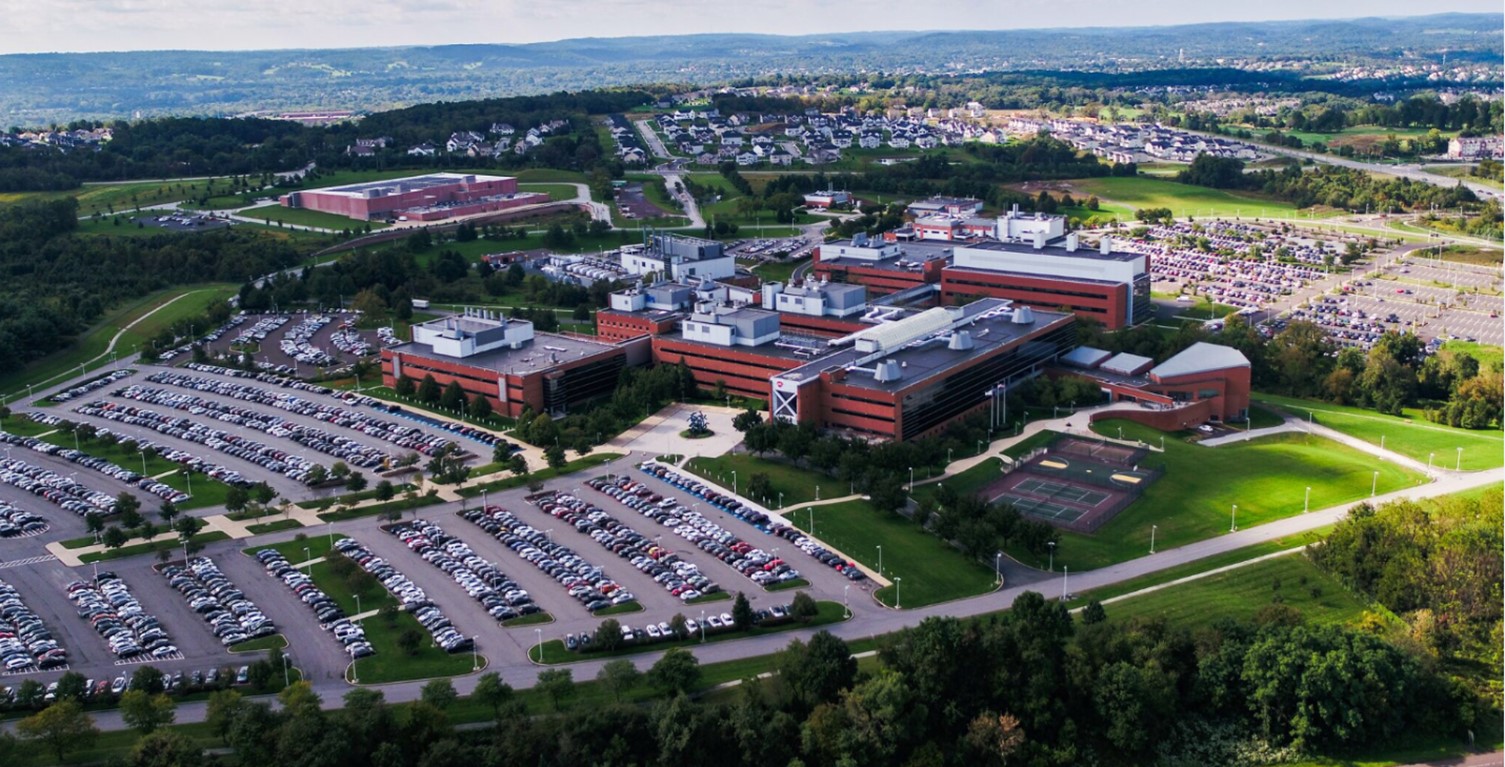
x: 36, y: 89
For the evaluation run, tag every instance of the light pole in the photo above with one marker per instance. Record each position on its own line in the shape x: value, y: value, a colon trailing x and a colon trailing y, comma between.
x: 1307, y: 504
x: 998, y: 567
x: 484, y: 503
x: 781, y: 499
x: 702, y: 626
x: 1052, y: 545
x: 475, y: 660
x: 330, y: 525
x: 911, y: 479
x: 1153, y: 528
x: 355, y: 674
x: 286, y: 680
x: 358, y: 609
x: 880, y: 560
x: 1233, y: 523
x: 1430, y: 456
x: 539, y: 633
x: 897, y: 583
x: 1065, y: 582
x: 811, y: 511
x: 308, y: 560
x: 948, y: 456
x: 1459, y: 467
x: 734, y: 481
x: 1374, y: 484
x: 845, y: 606
x: 1120, y: 433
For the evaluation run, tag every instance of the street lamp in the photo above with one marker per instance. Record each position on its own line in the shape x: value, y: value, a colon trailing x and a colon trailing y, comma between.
x: 734, y: 481
x: 880, y: 560
x: 1459, y: 467
x: 1052, y: 545
x: 286, y: 680
x: 998, y: 567
x: 1307, y: 504
x: 358, y: 609
x: 1065, y: 582
x: 475, y: 660
x: 702, y: 626
x: 539, y: 633
x: 1233, y: 523
x: 1153, y: 528
x: 781, y: 499
x: 1430, y: 456
x: 911, y: 479
x: 897, y: 583
x: 845, y: 606
x: 1374, y: 484
x: 308, y: 560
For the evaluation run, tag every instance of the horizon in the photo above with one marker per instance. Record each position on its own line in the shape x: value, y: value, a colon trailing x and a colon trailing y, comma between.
x: 39, y: 29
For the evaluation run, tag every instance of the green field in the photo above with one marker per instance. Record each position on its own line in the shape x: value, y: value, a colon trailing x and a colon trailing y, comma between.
x: 779, y: 271
x: 1413, y: 437
x: 123, y: 196
x: 556, y: 192
x: 932, y: 571
x: 1489, y: 357
x: 274, y: 214
x: 1122, y: 196
x: 797, y: 485
x: 93, y: 343
x: 1472, y: 254
x: 272, y: 527
x: 1266, y: 477
x: 146, y: 548
x: 1240, y: 593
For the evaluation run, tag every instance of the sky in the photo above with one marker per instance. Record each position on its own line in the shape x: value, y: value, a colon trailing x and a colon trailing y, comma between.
x: 34, y: 26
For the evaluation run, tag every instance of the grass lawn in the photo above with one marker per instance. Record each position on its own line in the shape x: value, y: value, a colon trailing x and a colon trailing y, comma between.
x: 25, y: 427
x: 1472, y: 254
x: 303, y: 217
x: 146, y: 548
x: 1266, y: 477
x: 122, y: 197
x: 1412, y: 437
x: 932, y: 571
x: 1240, y: 593
x: 1122, y: 196
x: 779, y: 271
x: 317, y: 545
x: 275, y: 641
x: 544, y: 474
x: 797, y: 485
x: 621, y: 609
x: 400, y: 503
x: 272, y: 527
x: 1261, y: 417
x: 86, y: 347
x: 545, y: 175
x: 554, y: 651
x: 1488, y: 356
x: 556, y: 192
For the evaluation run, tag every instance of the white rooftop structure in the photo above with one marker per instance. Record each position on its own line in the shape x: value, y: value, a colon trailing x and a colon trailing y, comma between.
x: 1085, y: 357
x: 892, y: 335
x: 1201, y: 357
x: 1127, y: 364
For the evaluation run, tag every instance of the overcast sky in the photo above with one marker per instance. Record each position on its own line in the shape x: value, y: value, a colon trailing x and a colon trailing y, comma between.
x: 112, y: 25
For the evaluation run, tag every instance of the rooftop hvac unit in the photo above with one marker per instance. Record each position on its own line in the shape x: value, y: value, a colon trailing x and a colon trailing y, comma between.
x: 887, y: 371
x: 961, y: 341
x: 1023, y: 315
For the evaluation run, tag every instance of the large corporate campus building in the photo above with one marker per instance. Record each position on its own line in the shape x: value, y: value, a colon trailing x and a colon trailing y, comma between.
x: 851, y: 348
x: 431, y: 197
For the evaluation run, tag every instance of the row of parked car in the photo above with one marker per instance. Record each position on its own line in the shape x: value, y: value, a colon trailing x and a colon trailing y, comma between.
x: 663, y: 631
x: 108, y: 691
x: 582, y: 580
x: 66, y: 492
x: 297, y: 342
x: 757, y: 565
x: 349, y: 341
x: 25, y: 642
x: 338, y: 446
x: 130, y: 631
x: 331, y: 617
x: 760, y: 520
x: 231, y: 616
x: 402, y: 435
x: 256, y: 333
x: 17, y: 522
x: 679, y: 577
x: 267, y: 457
x: 181, y: 457
x: 413, y: 598
x: 164, y: 491
x: 92, y: 385
x: 502, y: 597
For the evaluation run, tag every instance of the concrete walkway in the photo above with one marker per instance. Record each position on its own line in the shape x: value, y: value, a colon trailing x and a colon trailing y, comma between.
x: 1076, y: 423
x: 1296, y: 425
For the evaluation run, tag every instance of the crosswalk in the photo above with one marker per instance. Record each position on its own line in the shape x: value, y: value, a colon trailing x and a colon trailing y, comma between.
x: 27, y: 561
x: 149, y: 658
x: 32, y: 670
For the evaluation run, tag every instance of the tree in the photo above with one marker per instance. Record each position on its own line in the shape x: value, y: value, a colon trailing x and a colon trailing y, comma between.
x: 558, y: 685
x: 129, y: 509
x: 405, y: 387
x: 453, y: 397
x: 145, y: 712
x: 517, y: 464
x: 428, y: 390
x: 224, y: 706
x: 678, y: 671
x: 499, y: 696
x: 166, y: 749
x: 356, y: 483
x: 817, y: 673
x: 608, y: 635
x: 1093, y: 613
x: 385, y: 490
x: 803, y: 606
x: 742, y: 612
x: 168, y: 510
x: 479, y: 407
x: 72, y: 686
x: 410, y: 641
x: 760, y: 486
x: 439, y: 693
x: 114, y: 537
x: 619, y: 676
x: 554, y: 455
x: 61, y: 727
x: 747, y: 419
x: 148, y: 679
x: 187, y: 527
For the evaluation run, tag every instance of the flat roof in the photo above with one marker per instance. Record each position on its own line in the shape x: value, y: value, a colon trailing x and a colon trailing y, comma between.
x: 408, y: 184
x: 915, y: 251
x: 1127, y: 364
x: 1056, y: 247
x: 545, y: 351
x: 928, y: 361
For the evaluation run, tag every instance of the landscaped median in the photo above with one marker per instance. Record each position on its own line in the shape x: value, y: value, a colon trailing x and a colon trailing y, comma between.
x: 384, y: 631
x: 162, y: 543
x: 555, y: 652
x: 542, y: 475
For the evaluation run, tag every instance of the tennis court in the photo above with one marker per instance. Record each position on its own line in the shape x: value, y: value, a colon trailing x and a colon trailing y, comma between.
x: 1079, y: 488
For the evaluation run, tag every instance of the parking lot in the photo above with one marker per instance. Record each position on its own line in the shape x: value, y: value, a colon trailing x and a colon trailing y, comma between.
x: 301, y: 339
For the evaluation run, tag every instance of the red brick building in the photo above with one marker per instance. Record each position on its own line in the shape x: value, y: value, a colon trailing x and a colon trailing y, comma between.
x: 1110, y: 287
x: 1205, y: 382
x: 433, y: 197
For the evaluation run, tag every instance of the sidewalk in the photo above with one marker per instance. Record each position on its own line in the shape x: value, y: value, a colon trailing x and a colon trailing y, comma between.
x: 1076, y: 423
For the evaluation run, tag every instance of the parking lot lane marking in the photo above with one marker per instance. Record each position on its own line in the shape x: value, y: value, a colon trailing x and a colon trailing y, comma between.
x: 27, y: 561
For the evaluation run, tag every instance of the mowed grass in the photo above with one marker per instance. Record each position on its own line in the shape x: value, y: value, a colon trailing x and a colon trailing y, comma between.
x: 275, y: 213
x: 1123, y: 196
x: 797, y: 485
x: 1266, y: 477
x: 1489, y: 357
x: 556, y: 192
x: 1238, y: 594
x: 93, y: 342
x: 1412, y: 437
x: 931, y: 570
